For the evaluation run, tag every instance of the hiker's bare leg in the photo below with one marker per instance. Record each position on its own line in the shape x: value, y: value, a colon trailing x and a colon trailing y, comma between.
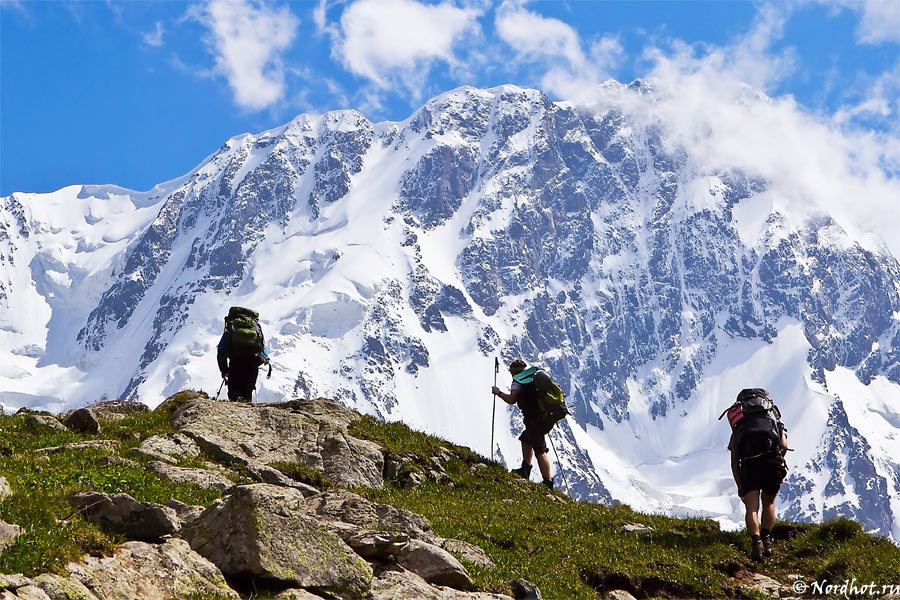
x: 768, y: 511
x: 527, y: 453
x: 751, y: 503
x: 544, y: 465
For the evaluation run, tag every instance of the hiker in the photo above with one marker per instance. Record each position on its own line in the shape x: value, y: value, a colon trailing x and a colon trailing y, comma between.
x: 758, y: 444
x: 533, y: 443
x: 240, y: 353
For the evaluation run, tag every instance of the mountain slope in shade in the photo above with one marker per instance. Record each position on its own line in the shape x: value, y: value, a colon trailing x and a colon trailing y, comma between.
x: 392, y: 261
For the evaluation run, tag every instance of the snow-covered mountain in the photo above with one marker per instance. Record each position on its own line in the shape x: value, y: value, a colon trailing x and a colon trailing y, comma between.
x: 390, y: 263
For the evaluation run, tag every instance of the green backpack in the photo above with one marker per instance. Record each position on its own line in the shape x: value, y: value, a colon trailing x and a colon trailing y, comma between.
x: 246, y: 334
x: 549, y: 396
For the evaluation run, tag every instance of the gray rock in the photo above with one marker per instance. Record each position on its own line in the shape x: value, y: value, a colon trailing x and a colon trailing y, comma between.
x: 168, y: 448
x: 266, y: 474
x: 294, y: 594
x: 82, y: 421
x: 166, y: 571
x: 434, y: 565
x: 202, y: 477
x: 38, y: 421
x: 377, y: 545
x: 115, y: 410
x: 619, y: 595
x: 185, y: 512
x: 467, y: 552
x: 635, y: 528
x: 400, y: 584
x: 340, y: 505
x: 310, y: 433
x: 5, y: 490
x: 30, y: 592
x: 110, y: 445
x: 267, y: 531
x: 13, y: 582
x: 117, y: 461
x: 61, y: 588
x: 9, y: 533
x: 767, y: 586
x: 120, y: 513
x: 525, y: 590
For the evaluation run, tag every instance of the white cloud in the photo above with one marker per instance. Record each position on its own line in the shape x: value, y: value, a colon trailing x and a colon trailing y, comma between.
x: 879, y: 21
x: 390, y: 41
x: 155, y: 37
x: 248, y: 40
x: 556, y: 48
x: 817, y: 163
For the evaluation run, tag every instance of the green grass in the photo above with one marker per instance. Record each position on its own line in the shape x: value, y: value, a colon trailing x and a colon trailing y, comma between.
x: 571, y: 550
x: 53, y: 532
x: 575, y: 550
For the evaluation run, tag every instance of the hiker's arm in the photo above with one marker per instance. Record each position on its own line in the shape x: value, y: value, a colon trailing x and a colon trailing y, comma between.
x: 221, y: 356
x: 510, y: 398
x: 783, y: 443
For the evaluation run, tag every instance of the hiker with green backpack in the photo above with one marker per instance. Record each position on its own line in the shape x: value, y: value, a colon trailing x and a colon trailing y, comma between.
x: 240, y: 353
x: 541, y: 401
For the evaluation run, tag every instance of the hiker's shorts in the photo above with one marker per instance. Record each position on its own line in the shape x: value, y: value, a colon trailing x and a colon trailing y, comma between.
x: 761, y: 475
x: 534, y: 439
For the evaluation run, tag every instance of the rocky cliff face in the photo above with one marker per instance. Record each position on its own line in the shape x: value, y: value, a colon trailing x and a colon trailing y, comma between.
x: 392, y: 261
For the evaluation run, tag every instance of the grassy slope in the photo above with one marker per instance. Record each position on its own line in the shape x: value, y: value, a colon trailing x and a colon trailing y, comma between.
x: 569, y: 549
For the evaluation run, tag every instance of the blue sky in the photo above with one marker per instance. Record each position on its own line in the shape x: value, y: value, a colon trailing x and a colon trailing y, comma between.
x: 136, y: 93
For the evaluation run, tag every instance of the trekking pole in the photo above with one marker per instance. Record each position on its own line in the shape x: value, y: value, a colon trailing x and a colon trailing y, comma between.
x: 220, y: 389
x: 494, y: 402
x: 561, y: 470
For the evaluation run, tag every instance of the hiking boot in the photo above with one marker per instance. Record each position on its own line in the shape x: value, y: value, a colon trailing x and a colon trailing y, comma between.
x: 767, y: 546
x: 758, y: 550
x: 524, y: 471
x: 548, y: 483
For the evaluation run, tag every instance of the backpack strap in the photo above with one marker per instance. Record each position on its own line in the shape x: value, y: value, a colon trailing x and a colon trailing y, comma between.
x: 526, y: 376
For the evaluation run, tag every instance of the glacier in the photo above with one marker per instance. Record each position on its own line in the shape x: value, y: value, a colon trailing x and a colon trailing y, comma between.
x: 391, y: 262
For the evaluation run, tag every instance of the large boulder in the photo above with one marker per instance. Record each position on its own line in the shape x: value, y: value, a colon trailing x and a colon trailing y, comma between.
x: 434, y: 565
x: 168, y: 448
x: 38, y: 421
x: 151, y: 572
x: 340, y: 505
x: 399, y: 584
x: 115, y: 410
x: 267, y: 532
x: 82, y: 420
x: 120, y: 513
x: 58, y: 587
x: 312, y: 433
x: 201, y: 477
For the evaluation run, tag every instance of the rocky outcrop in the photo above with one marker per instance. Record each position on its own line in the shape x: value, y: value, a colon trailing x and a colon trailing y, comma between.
x: 168, y: 448
x: 38, y: 421
x: 202, y: 477
x: 116, y: 410
x: 151, y: 572
x: 400, y: 584
x: 267, y: 532
x: 347, y: 507
x: 311, y: 433
x: 120, y: 513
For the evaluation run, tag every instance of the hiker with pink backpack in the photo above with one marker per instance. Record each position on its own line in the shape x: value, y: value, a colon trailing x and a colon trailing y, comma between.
x: 758, y: 444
